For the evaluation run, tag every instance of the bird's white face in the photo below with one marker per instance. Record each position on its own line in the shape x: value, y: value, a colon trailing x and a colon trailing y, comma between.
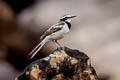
x: 67, y: 18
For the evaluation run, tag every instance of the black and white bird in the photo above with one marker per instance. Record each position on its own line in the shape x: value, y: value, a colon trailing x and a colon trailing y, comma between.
x: 54, y: 33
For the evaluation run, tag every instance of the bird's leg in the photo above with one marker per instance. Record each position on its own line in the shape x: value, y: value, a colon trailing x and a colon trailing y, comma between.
x: 55, y: 44
x: 60, y: 47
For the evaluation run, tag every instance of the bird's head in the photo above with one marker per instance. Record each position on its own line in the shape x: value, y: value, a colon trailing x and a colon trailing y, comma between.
x: 67, y: 18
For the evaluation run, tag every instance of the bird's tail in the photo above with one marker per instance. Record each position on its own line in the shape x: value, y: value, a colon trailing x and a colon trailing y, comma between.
x: 37, y: 48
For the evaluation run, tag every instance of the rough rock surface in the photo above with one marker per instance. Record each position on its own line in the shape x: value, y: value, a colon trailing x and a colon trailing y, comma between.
x: 63, y: 64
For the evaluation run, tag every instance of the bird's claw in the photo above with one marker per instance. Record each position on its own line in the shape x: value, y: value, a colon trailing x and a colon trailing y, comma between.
x: 60, y: 48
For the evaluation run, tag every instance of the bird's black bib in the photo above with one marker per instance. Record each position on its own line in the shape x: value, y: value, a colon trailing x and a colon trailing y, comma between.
x: 69, y: 25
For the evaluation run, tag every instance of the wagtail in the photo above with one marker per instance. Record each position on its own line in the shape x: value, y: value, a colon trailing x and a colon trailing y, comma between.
x: 54, y: 33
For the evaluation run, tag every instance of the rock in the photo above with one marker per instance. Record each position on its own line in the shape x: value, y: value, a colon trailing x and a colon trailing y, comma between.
x: 63, y: 64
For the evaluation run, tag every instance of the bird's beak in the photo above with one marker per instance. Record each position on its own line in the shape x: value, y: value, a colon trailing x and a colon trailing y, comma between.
x: 73, y: 16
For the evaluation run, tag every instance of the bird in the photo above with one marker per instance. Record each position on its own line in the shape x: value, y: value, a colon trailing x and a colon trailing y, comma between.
x: 54, y: 33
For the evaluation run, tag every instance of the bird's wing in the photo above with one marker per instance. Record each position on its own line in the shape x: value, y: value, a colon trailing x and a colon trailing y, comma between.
x: 54, y: 28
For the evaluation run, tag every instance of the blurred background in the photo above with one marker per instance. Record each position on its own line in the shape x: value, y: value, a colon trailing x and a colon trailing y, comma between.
x: 95, y: 31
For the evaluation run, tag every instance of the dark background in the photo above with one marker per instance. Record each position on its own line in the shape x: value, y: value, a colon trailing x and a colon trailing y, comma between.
x: 95, y: 31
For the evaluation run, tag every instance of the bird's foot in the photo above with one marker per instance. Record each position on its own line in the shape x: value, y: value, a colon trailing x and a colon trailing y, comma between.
x: 60, y: 48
